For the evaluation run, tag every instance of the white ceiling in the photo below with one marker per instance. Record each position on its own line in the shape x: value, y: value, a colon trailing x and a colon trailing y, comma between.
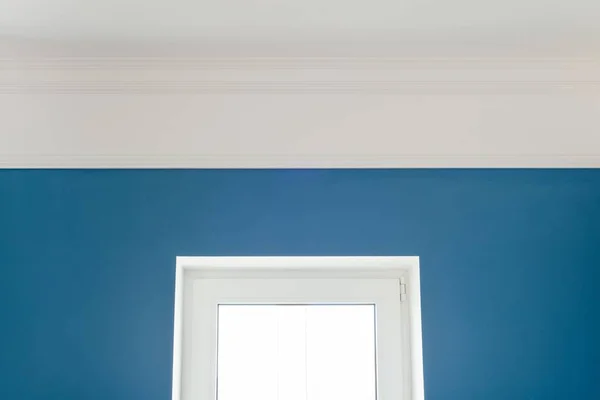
x: 303, y: 83
x: 438, y: 25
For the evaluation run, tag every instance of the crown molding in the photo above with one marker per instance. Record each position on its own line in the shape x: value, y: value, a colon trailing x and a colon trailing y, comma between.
x: 54, y: 79
x: 250, y: 75
x: 159, y: 161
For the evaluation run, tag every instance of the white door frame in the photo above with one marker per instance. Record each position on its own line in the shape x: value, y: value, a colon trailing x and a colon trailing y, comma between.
x: 405, y: 268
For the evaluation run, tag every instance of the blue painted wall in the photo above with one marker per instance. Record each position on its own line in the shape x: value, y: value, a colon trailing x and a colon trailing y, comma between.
x: 510, y: 269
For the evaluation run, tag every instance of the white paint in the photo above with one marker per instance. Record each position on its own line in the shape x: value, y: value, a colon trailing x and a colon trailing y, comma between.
x: 528, y: 24
x: 295, y: 279
x: 298, y: 112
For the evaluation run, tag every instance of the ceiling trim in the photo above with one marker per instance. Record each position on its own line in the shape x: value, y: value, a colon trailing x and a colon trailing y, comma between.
x: 140, y: 76
x: 337, y: 161
x: 251, y: 75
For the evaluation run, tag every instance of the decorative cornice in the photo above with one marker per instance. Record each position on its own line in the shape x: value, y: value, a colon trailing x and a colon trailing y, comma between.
x: 184, y: 161
x: 142, y: 75
x: 296, y: 76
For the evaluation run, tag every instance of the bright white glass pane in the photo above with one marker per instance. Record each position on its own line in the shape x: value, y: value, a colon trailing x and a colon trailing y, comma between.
x: 296, y: 352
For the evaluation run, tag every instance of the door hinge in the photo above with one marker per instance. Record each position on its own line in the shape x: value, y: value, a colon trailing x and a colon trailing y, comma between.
x: 402, y: 289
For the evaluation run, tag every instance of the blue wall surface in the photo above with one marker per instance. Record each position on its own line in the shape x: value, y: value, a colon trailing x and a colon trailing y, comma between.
x: 510, y: 263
